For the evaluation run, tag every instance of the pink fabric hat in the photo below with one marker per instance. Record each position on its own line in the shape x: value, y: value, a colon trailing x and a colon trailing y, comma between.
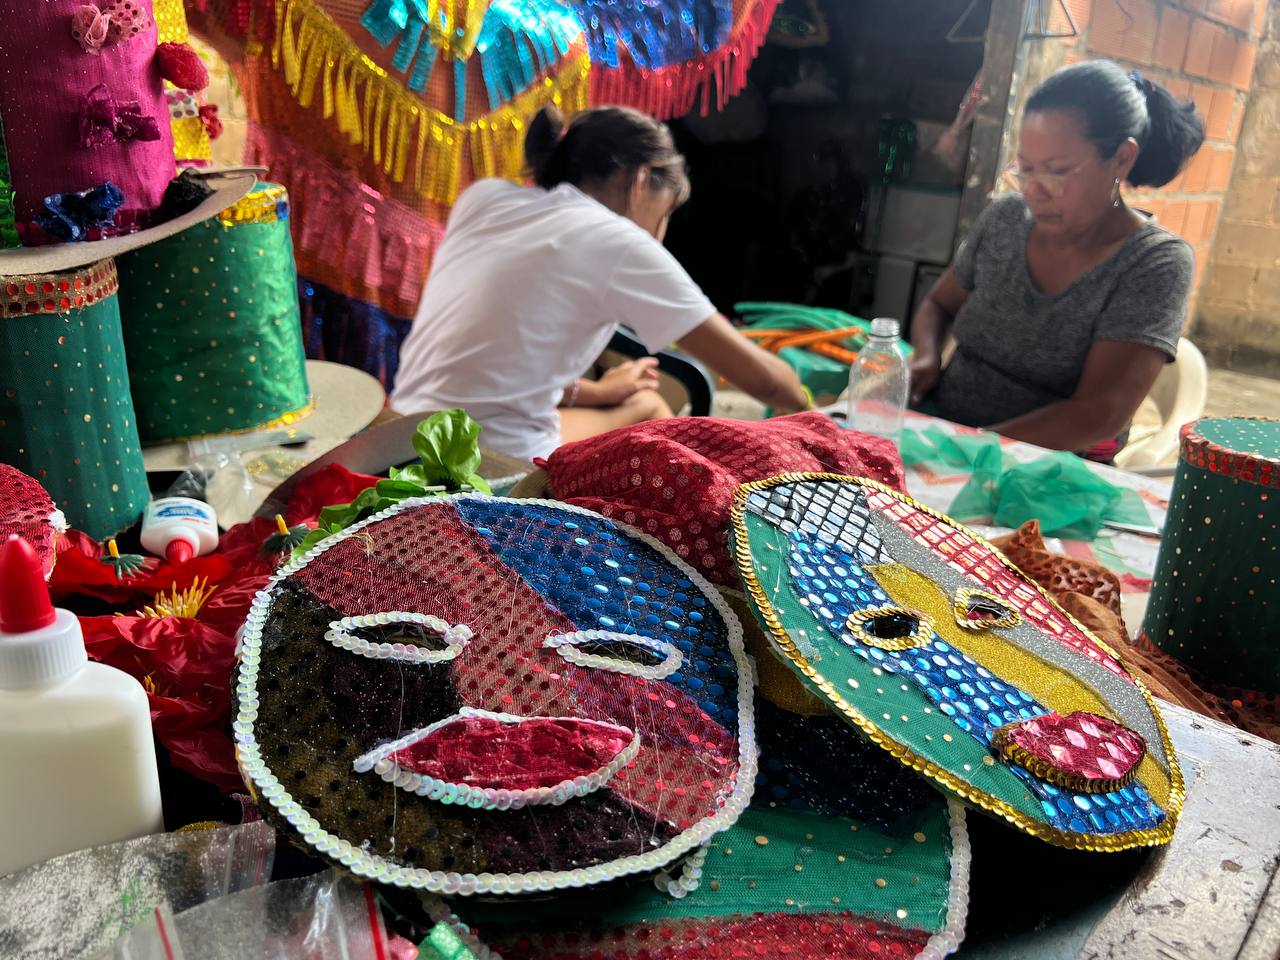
x: 86, y: 151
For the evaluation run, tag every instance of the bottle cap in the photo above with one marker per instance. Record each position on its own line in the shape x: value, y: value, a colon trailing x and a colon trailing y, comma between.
x: 179, y: 551
x: 885, y: 327
x: 38, y: 644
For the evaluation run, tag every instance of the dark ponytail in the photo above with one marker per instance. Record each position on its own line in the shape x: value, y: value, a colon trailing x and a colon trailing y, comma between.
x: 1114, y: 106
x: 545, y: 131
x: 1174, y: 135
x: 600, y: 143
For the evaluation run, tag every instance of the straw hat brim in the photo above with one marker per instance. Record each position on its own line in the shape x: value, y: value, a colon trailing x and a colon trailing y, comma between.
x: 346, y: 401
x: 228, y: 188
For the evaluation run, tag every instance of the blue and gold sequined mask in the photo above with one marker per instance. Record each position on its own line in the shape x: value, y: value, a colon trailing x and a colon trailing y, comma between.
x: 923, y: 636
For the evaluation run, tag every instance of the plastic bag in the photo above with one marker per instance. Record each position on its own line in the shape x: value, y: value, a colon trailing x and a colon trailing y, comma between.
x: 322, y: 917
x: 75, y: 905
x: 1059, y: 489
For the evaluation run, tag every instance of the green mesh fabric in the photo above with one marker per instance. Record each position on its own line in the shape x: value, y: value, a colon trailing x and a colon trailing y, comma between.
x: 66, y: 416
x: 213, y: 329
x: 778, y: 861
x: 899, y: 709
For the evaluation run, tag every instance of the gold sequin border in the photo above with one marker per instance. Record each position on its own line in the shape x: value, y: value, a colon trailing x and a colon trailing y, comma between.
x: 1045, y: 770
x: 1203, y: 454
x: 25, y: 295
x: 261, y: 206
x: 1079, y: 841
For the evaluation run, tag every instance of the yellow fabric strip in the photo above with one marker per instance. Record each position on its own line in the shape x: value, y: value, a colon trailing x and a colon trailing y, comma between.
x: 1057, y: 689
x: 374, y: 109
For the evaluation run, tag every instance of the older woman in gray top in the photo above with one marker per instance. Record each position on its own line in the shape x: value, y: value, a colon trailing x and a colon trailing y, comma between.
x: 1064, y: 303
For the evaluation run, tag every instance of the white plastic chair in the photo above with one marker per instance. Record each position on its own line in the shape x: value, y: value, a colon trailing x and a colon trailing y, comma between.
x: 1179, y: 396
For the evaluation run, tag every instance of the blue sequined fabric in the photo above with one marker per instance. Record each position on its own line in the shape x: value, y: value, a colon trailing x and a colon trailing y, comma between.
x: 602, y: 579
x: 832, y: 584
x: 653, y: 33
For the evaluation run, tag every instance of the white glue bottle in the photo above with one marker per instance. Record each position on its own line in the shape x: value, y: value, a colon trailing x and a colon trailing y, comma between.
x: 181, y: 525
x: 78, y: 761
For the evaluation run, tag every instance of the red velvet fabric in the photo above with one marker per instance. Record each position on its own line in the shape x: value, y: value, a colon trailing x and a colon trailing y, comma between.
x: 675, y: 479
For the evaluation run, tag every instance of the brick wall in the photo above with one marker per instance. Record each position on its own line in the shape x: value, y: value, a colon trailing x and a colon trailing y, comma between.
x: 1238, y: 320
x: 1203, y: 50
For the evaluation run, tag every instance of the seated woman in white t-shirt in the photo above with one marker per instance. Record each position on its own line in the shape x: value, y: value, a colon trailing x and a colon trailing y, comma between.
x: 530, y: 282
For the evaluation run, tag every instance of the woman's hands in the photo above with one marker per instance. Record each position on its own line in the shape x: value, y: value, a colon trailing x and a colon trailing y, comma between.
x: 620, y: 382
x: 618, y: 385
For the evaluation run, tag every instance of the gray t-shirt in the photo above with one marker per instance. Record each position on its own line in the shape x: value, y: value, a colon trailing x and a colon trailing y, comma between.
x: 1019, y: 349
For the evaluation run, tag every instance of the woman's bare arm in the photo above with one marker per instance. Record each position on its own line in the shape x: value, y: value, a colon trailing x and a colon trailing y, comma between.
x: 757, y: 372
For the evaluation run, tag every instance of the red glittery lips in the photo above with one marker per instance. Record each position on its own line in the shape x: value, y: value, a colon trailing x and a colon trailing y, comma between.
x: 502, y: 752
x: 1082, y: 751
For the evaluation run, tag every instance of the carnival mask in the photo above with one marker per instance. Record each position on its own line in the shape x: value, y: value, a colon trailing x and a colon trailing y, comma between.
x: 476, y: 695
x: 927, y: 639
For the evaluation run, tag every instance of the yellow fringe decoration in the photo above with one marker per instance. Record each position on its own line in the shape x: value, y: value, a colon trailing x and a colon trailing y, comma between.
x: 455, y: 25
x: 400, y: 133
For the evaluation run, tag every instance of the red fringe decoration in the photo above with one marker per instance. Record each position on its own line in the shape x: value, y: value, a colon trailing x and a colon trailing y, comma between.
x: 675, y: 90
x: 239, y: 15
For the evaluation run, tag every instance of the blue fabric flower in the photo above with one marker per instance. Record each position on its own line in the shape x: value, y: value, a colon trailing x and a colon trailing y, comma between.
x: 72, y: 215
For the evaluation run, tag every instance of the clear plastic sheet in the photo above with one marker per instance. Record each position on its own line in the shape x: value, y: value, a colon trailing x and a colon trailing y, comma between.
x: 321, y: 917
x: 78, y: 904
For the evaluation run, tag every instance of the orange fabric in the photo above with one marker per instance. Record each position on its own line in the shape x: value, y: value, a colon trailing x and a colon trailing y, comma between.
x: 1091, y: 593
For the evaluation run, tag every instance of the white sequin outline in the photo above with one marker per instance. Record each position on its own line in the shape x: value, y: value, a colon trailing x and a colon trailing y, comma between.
x: 341, y: 635
x: 372, y: 867
x: 488, y: 798
x: 565, y: 643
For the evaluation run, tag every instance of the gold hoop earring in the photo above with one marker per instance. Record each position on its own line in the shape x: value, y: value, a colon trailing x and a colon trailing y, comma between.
x: 1115, y: 194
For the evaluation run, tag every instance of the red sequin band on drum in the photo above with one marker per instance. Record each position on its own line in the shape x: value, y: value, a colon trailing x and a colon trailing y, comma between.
x: 58, y: 292
x: 1249, y: 467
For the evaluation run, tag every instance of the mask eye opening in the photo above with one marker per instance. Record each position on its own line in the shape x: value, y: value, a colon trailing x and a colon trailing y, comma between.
x: 408, y: 637
x: 889, y: 628
x: 626, y: 653
x: 979, y: 610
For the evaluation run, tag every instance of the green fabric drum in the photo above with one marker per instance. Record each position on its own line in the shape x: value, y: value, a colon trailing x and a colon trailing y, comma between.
x: 66, y: 416
x: 212, y: 325
x: 1214, y: 601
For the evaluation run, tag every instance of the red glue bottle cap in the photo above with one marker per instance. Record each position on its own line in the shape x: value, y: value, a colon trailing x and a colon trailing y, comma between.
x: 179, y: 551
x: 24, y: 596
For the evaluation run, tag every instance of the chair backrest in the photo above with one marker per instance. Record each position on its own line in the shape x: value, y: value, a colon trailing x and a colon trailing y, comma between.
x: 1183, y: 386
x: 1179, y: 395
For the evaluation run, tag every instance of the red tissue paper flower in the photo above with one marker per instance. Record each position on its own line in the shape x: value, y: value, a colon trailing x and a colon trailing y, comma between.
x: 182, y: 649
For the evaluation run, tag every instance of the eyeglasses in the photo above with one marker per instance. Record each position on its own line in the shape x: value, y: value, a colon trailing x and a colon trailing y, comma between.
x: 1054, y: 184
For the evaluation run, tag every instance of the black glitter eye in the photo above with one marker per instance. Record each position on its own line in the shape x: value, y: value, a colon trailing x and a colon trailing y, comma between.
x: 892, y: 626
x: 889, y: 628
x: 978, y: 610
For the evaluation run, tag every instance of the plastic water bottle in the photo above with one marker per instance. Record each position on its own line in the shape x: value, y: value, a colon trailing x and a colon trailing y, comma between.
x: 879, y: 382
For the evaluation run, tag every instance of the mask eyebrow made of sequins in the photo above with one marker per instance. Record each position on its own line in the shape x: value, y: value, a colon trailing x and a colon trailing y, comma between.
x: 478, y: 695
x: 925, y: 638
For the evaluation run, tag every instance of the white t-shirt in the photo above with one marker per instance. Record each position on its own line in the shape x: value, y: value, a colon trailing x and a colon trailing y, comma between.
x: 523, y: 296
